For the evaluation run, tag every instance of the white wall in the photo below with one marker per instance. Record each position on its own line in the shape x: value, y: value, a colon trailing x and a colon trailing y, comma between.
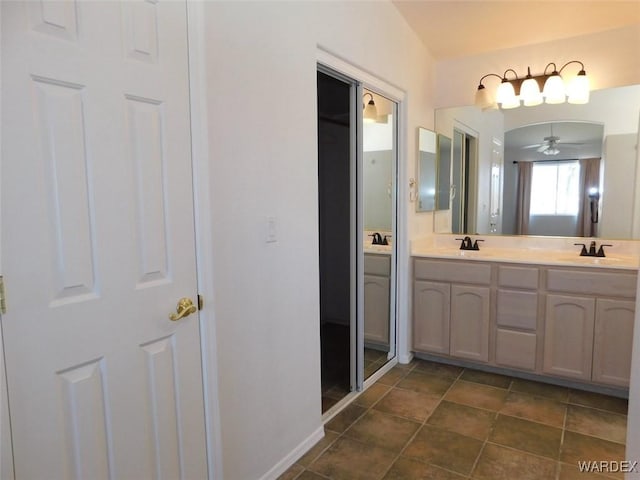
x: 262, y: 112
x: 619, y: 181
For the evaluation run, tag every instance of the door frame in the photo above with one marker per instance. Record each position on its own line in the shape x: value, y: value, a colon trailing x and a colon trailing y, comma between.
x: 196, y: 34
x: 204, y: 258
x: 400, y: 324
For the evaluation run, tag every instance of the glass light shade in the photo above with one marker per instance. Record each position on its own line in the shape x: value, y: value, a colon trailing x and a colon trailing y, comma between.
x: 578, y: 89
x: 483, y: 99
x: 553, y: 91
x: 506, y: 95
x: 551, y: 151
x: 370, y: 114
x: 530, y: 93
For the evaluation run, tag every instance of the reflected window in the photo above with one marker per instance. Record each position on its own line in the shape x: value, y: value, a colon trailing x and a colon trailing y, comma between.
x: 555, y: 188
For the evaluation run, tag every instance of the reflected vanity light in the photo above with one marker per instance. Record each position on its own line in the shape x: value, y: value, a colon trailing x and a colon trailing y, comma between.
x: 370, y: 114
x: 511, y: 92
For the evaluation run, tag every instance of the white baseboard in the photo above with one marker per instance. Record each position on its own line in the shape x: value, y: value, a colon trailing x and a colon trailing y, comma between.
x: 284, y: 464
x: 404, y: 359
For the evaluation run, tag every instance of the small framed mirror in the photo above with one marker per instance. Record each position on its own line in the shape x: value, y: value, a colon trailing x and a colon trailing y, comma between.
x: 427, y: 172
x: 443, y: 166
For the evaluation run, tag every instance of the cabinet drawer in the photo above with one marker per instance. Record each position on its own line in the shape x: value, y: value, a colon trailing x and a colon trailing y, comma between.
x: 518, y: 277
x: 593, y: 283
x: 517, y: 309
x: 453, y: 271
x: 516, y: 349
x: 377, y: 265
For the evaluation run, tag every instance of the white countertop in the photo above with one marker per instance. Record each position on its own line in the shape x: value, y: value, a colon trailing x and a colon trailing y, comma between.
x: 557, y: 251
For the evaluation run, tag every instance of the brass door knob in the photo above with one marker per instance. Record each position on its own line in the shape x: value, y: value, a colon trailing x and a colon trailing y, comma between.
x: 185, y: 308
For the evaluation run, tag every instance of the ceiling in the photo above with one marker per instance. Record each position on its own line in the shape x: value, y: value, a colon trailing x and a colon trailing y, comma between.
x: 576, y: 140
x: 458, y: 28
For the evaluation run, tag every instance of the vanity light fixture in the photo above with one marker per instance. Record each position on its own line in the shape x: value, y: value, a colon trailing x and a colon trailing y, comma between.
x: 534, y: 89
x: 370, y: 114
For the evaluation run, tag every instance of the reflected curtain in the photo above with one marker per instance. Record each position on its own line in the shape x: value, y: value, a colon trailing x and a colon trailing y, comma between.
x: 589, y: 178
x: 523, y: 200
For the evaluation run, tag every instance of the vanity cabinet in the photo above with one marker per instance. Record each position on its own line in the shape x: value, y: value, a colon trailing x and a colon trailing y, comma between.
x: 452, y: 309
x: 588, y: 332
x: 377, y: 282
x: 566, y: 322
x: 517, y: 317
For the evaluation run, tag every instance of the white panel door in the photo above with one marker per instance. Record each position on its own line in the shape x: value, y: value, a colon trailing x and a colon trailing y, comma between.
x: 98, y: 241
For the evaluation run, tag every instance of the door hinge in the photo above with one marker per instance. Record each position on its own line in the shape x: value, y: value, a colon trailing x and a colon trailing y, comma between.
x: 3, y: 298
x: 200, y: 301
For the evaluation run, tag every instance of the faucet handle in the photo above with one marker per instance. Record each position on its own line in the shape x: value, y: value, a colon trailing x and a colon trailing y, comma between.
x: 463, y: 245
x: 583, y: 252
x: 475, y: 244
x: 601, y: 250
x: 385, y: 240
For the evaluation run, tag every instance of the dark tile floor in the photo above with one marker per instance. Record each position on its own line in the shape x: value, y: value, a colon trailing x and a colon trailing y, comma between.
x: 433, y: 421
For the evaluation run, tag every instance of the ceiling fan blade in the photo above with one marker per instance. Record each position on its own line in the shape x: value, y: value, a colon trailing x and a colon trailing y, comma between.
x: 535, y: 145
x: 542, y: 148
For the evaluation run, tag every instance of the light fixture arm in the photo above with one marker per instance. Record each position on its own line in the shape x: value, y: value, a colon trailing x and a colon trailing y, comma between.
x: 504, y: 76
x: 573, y: 61
x: 488, y: 75
x: 555, y: 69
x: 371, y: 95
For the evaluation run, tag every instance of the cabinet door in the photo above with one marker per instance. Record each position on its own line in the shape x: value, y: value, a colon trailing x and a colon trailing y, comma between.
x: 470, y: 322
x: 613, y: 341
x: 568, y: 336
x: 376, y: 309
x: 431, y: 307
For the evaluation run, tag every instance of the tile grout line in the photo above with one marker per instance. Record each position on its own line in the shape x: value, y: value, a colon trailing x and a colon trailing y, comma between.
x: 426, y: 419
x: 455, y: 381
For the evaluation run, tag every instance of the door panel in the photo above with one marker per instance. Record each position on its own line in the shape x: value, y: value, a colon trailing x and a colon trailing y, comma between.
x: 98, y: 241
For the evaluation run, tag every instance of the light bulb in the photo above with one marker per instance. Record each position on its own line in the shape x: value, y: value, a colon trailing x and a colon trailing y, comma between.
x: 483, y: 99
x: 553, y: 91
x: 578, y: 89
x: 530, y: 93
x: 506, y: 95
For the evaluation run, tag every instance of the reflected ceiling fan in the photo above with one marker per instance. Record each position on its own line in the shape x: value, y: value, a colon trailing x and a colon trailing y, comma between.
x: 550, y: 144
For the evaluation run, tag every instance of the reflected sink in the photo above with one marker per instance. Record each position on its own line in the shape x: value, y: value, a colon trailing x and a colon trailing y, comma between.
x: 377, y: 248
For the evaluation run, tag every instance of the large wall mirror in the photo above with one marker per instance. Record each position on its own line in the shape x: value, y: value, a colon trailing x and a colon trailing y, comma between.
x: 555, y: 142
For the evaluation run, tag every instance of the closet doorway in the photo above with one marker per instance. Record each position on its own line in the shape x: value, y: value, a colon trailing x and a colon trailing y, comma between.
x: 357, y: 169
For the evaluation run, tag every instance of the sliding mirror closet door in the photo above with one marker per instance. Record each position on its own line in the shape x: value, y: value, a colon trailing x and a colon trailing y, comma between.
x: 379, y: 146
x: 357, y: 164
